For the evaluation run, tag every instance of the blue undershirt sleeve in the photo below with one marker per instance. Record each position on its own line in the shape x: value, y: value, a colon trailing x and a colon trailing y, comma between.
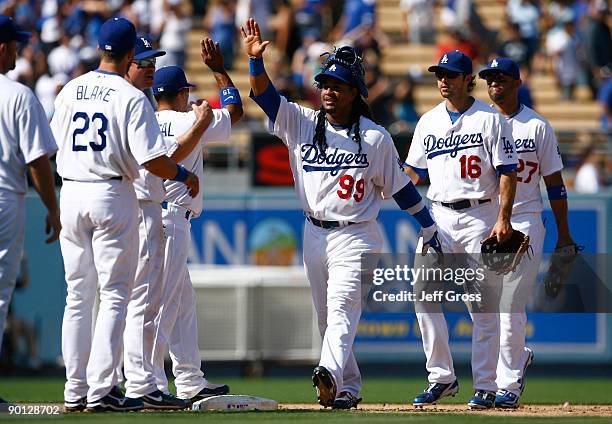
x: 409, y: 200
x: 268, y: 101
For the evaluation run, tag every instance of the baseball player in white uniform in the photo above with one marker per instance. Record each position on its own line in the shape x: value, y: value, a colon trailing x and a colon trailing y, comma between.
x: 343, y: 165
x: 146, y: 297
x: 106, y: 128
x: 177, y: 322
x: 26, y: 143
x: 539, y: 158
x: 468, y: 150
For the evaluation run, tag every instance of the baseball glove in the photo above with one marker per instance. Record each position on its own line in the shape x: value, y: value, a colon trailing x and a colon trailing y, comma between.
x: 504, y: 257
x: 560, y: 268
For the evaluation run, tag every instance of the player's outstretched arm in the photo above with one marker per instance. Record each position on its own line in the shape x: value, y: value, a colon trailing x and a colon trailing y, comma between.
x: 229, y: 95
x: 507, y: 189
x: 166, y: 168
x: 190, y: 140
x: 557, y: 195
x: 42, y: 179
x: 254, y: 48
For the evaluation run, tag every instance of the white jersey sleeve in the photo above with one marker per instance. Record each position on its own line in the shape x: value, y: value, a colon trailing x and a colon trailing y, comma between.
x: 24, y: 134
x: 144, y: 138
x: 416, y: 153
x: 391, y: 177
x: 290, y: 121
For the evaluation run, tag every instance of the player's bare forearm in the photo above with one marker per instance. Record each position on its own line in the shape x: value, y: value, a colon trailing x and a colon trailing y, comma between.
x: 559, y: 208
x: 43, y: 181
x: 254, y: 48
x: 507, y: 189
x: 166, y: 168
x: 414, y: 177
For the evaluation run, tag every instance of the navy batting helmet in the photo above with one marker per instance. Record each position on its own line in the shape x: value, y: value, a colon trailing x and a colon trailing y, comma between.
x: 347, y: 66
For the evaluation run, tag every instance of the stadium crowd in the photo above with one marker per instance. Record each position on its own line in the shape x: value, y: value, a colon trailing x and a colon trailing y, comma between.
x: 568, y: 38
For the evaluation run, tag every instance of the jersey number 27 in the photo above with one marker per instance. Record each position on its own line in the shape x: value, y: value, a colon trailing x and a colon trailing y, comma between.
x: 103, y: 126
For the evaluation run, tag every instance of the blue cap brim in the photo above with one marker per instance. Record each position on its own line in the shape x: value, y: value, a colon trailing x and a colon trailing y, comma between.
x: 23, y: 36
x: 149, y: 54
x: 482, y: 74
x: 436, y: 68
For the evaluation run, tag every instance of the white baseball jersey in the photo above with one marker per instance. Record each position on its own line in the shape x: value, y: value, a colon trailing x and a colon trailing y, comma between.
x: 24, y: 134
x: 95, y: 142
x: 174, y: 124
x: 462, y: 157
x: 538, y: 155
x: 342, y: 185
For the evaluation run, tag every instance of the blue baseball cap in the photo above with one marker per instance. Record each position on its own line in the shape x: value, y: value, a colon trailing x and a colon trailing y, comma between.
x: 117, y: 35
x: 169, y: 79
x: 10, y: 31
x: 144, y: 49
x: 455, y: 62
x: 502, y: 65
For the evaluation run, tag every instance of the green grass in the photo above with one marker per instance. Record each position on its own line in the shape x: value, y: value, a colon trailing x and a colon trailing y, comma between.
x: 540, y: 390
x: 300, y: 417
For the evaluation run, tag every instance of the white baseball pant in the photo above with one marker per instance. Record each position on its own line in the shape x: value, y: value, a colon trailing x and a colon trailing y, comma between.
x: 139, y: 334
x: 177, y: 321
x: 12, y: 235
x: 332, y: 260
x: 99, y: 243
x: 461, y: 232
x: 517, y: 289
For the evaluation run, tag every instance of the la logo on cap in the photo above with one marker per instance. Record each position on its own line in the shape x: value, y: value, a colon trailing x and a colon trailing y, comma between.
x: 145, y: 42
x: 332, y: 68
x: 494, y: 63
x: 444, y: 59
x: 108, y: 47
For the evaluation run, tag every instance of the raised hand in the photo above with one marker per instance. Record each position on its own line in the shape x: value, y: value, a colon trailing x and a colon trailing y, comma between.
x: 251, y: 39
x: 211, y: 55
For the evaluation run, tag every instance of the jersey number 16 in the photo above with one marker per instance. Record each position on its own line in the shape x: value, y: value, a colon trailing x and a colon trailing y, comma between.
x: 470, y: 167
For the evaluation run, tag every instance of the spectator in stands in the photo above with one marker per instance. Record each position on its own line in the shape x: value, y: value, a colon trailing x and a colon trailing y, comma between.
x: 463, y: 16
x: 404, y: 106
x: 63, y: 59
x: 380, y: 94
x: 588, y: 177
x: 354, y: 14
x: 260, y: 10
x: 598, y: 43
x: 605, y: 100
x: 453, y: 40
x: 220, y: 23
x: 526, y: 14
x: 173, y: 25
x: 418, y: 21
x: 306, y: 63
x: 562, y: 45
x: 524, y: 92
x: 513, y: 46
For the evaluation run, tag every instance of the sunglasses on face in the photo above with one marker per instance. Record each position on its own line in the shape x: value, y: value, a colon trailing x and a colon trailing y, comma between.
x: 447, y: 74
x: 498, y: 78
x: 145, y: 63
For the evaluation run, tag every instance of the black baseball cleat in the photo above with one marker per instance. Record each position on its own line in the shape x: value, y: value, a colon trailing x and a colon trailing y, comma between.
x: 209, y: 390
x: 4, y: 405
x: 161, y: 400
x: 115, y: 404
x: 325, y: 384
x: 76, y: 406
x: 117, y: 391
x: 346, y: 400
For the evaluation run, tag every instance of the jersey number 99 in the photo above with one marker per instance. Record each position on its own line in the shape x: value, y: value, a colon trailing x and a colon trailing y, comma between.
x: 96, y: 147
x: 347, y: 185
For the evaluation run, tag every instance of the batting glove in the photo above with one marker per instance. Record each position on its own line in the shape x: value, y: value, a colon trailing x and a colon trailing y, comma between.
x: 431, y: 240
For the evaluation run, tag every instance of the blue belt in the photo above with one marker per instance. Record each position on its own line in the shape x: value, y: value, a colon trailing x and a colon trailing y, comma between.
x: 188, y: 213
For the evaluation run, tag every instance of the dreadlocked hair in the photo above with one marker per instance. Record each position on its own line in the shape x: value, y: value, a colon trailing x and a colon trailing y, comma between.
x: 359, y: 108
